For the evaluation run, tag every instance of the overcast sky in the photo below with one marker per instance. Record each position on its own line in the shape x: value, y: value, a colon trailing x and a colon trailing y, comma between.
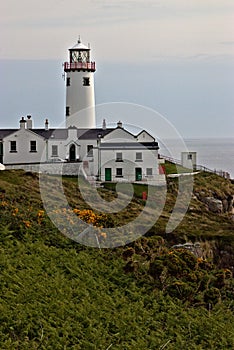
x: 175, y: 56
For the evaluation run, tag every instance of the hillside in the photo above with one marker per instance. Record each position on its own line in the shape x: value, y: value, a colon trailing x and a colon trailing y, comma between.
x: 59, y: 294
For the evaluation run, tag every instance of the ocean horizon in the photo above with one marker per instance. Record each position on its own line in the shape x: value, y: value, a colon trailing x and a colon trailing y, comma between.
x: 213, y: 153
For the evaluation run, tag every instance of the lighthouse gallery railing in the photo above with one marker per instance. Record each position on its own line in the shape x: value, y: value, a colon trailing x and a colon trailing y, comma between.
x: 79, y: 65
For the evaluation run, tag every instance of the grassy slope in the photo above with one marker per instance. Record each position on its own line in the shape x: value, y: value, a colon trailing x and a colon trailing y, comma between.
x: 57, y: 294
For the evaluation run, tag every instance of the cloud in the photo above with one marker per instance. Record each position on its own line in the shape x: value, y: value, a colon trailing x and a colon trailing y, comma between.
x: 231, y: 42
x: 118, y: 29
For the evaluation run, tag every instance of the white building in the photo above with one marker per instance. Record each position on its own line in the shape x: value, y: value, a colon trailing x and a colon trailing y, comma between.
x: 189, y: 160
x: 104, y: 154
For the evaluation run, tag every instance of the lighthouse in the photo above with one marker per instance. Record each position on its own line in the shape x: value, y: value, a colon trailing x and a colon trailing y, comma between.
x: 80, y: 98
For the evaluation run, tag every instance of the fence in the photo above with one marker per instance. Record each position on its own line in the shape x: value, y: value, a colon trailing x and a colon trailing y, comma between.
x: 221, y: 173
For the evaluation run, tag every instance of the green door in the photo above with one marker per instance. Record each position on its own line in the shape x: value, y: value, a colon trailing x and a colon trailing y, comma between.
x: 138, y: 174
x: 107, y: 174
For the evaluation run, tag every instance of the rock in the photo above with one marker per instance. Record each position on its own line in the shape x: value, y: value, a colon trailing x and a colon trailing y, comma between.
x: 214, y: 205
x: 230, y: 200
x: 193, y: 248
x: 225, y: 205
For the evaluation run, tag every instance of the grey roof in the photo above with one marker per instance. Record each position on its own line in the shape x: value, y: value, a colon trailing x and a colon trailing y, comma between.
x: 6, y: 132
x: 83, y: 134
x: 130, y: 145
x: 92, y: 134
x: 62, y: 134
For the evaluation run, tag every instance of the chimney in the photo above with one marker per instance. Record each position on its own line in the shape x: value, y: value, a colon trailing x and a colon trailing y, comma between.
x: 22, y: 123
x: 104, y: 124
x: 29, y: 122
x: 46, y: 124
x: 119, y: 124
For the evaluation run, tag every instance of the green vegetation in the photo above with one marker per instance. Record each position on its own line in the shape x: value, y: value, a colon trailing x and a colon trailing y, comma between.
x: 58, y: 294
x: 172, y: 168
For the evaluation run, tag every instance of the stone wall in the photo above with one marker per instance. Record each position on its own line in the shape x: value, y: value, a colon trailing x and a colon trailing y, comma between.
x: 72, y: 169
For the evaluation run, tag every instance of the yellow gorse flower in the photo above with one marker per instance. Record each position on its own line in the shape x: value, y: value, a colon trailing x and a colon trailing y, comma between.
x: 40, y: 213
x: 27, y: 223
x: 86, y: 215
x: 15, y: 211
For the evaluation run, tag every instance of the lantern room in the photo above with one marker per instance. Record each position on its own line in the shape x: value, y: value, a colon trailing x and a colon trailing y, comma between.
x: 79, y: 53
x: 79, y: 58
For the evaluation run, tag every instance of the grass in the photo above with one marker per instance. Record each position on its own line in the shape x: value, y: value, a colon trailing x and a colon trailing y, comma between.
x: 138, y: 188
x: 172, y: 168
x: 58, y: 294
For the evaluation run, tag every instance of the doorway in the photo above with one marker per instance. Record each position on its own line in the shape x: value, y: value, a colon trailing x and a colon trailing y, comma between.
x: 108, y: 175
x: 72, y: 153
x: 138, y: 174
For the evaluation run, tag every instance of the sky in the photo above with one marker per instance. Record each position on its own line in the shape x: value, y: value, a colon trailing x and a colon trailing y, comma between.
x: 174, y: 56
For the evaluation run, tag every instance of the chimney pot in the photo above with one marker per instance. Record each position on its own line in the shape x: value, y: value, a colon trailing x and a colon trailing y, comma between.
x: 119, y: 124
x: 22, y: 123
x: 29, y: 122
x: 104, y: 124
x: 46, y: 124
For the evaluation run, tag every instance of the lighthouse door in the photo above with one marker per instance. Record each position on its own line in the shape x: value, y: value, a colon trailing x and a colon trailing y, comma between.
x: 72, y: 153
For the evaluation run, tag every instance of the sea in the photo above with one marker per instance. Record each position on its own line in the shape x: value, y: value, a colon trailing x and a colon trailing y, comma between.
x: 213, y: 153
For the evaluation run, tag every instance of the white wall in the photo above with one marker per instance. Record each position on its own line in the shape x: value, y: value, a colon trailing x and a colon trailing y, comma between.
x: 83, y: 147
x: 189, y: 159
x: 23, y: 154
x: 107, y: 159
x: 119, y: 135
x: 144, y: 136
x: 61, y: 148
x: 79, y: 97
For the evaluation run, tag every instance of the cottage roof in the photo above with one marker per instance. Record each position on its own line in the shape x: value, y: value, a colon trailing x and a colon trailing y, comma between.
x: 93, y: 134
x: 130, y: 145
x: 82, y: 134
x: 60, y: 134
x: 6, y: 132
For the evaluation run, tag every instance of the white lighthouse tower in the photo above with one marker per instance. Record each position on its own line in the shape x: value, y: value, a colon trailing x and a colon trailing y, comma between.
x: 80, y: 99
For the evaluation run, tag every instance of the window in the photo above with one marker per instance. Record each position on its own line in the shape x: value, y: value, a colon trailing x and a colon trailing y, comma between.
x: 119, y: 172
x: 90, y: 150
x: 54, y: 150
x: 68, y: 81
x: 67, y: 111
x: 33, y: 146
x: 13, y: 146
x: 138, y: 157
x: 86, y: 81
x: 149, y: 171
x: 190, y: 156
x: 119, y: 157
